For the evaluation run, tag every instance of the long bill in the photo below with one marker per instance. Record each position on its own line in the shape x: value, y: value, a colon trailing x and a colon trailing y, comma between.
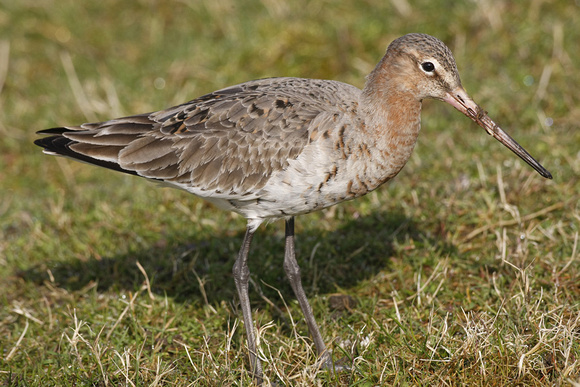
x: 459, y: 99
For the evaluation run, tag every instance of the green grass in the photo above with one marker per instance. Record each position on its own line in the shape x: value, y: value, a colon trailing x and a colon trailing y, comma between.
x: 465, y: 268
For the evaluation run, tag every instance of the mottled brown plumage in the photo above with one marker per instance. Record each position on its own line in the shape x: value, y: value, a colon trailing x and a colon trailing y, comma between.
x: 280, y: 147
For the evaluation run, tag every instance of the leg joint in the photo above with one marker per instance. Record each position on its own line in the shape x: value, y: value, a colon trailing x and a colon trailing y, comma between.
x: 241, y: 272
x: 292, y: 269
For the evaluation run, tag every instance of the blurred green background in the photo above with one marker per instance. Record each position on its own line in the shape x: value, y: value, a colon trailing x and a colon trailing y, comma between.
x: 464, y: 268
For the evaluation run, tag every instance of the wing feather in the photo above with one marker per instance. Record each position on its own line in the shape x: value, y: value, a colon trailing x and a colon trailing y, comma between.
x: 231, y: 141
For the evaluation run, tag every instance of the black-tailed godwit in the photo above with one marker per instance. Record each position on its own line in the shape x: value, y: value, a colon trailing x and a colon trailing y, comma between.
x: 280, y: 147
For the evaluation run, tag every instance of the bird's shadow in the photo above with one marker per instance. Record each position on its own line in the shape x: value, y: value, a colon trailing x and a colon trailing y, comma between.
x: 329, y: 260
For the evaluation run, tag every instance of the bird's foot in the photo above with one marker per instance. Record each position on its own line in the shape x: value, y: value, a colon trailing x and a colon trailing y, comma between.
x: 325, y: 362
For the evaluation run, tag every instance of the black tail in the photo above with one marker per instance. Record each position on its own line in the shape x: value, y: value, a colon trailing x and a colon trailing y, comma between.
x: 59, y: 144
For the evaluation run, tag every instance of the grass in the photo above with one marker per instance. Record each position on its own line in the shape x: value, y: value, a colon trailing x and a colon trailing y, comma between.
x: 463, y: 270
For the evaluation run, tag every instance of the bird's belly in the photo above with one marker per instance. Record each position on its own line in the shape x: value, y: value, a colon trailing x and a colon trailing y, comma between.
x: 282, y: 202
x: 299, y: 191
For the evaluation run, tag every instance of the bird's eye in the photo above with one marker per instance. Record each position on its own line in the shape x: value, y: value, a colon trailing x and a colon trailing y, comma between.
x: 428, y: 66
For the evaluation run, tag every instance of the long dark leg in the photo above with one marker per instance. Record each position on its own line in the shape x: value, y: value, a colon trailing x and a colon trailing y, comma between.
x: 241, y: 278
x: 293, y: 272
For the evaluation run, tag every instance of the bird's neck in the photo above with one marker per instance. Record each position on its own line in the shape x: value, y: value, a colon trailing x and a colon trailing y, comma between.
x: 392, y: 119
